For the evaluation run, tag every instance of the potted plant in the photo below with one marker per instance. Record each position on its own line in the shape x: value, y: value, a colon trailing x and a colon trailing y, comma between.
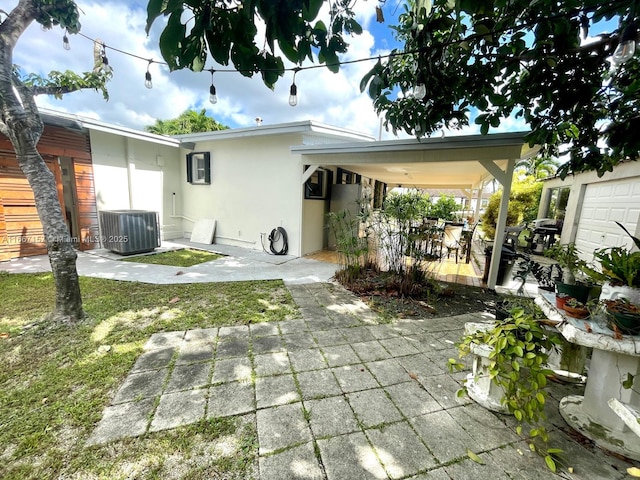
x: 575, y: 308
x: 620, y: 271
x: 512, y: 355
x: 576, y: 274
x: 505, y: 306
x: 561, y: 299
x: 624, y: 315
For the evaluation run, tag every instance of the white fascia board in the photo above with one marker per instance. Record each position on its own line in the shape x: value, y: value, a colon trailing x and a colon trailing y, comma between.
x: 92, y: 124
x: 307, y: 126
x: 469, y: 141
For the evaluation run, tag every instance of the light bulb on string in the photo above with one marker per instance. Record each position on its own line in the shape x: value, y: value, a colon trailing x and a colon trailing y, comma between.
x: 147, y: 77
x: 627, y: 46
x: 105, y: 61
x: 419, y: 91
x: 213, y: 97
x: 65, y: 41
x: 293, y: 91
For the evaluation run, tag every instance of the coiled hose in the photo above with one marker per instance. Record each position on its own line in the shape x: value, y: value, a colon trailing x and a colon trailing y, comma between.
x: 278, y: 236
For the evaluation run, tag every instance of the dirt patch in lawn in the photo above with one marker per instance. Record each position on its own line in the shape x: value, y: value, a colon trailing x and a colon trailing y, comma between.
x: 430, y: 299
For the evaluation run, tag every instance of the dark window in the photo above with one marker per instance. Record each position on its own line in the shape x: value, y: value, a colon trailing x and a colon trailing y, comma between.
x: 199, y: 168
x: 379, y: 192
x: 317, y: 185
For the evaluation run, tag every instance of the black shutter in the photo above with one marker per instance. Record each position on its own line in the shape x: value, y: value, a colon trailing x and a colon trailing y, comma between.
x: 207, y: 168
x: 189, y: 168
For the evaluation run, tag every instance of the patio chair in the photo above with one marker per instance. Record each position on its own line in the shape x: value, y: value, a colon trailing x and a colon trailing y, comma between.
x: 511, y: 235
x: 451, y: 238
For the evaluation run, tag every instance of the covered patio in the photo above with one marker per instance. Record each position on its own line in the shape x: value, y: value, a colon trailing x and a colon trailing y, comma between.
x: 463, y: 162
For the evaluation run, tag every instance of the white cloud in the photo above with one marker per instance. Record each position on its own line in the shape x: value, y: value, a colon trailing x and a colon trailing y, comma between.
x: 323, y: 96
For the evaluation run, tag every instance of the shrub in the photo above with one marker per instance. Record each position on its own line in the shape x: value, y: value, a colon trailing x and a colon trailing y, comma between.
x: 523, y: 204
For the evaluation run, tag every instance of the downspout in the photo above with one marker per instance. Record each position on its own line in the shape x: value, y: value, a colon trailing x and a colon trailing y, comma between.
x: 129, y: 156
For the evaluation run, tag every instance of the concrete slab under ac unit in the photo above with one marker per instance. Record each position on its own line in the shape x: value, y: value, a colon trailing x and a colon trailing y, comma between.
x: 203, y: 231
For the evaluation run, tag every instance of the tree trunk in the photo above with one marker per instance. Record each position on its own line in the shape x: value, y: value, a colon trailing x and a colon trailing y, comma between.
x: 62, y: 256
x: 20, y: 121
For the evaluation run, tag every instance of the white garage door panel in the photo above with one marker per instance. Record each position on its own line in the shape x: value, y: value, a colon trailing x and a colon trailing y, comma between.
x: 604, y: 204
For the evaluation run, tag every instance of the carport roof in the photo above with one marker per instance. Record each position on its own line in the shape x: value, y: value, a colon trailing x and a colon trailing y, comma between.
x: 450, y: 162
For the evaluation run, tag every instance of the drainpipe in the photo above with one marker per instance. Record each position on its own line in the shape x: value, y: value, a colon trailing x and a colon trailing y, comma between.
x: 130, y: 158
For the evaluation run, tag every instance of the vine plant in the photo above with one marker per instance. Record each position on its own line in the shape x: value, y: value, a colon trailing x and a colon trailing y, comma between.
x: 518, y: 366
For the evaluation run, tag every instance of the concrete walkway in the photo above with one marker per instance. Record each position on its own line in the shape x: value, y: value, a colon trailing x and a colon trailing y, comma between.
x: 238, y: 264
x: 334, y: 395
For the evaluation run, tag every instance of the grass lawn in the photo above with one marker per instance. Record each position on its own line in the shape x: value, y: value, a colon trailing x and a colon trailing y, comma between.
x: 186, y: 257
x: 56, y: 380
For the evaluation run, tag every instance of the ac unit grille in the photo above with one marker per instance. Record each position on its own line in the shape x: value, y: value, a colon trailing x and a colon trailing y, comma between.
x: 129, y: 231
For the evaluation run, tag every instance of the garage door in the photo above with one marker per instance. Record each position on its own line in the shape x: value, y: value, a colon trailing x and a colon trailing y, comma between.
x: 604, y: 204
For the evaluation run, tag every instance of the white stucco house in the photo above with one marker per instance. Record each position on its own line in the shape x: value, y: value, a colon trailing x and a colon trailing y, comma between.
x: 251, y: 180
x: 590, y: 205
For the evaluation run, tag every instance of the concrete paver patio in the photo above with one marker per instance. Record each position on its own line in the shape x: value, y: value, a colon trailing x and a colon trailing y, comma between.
x: 338, y: 395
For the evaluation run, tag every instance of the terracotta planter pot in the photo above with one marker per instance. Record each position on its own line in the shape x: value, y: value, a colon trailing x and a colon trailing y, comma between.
x: 561, y: 299
x: 576, y: 312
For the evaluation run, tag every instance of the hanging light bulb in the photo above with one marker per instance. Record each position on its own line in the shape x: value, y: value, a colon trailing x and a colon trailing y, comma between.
x: 147, y: 77
x: 419, y: 91
x: 65, y: 41
x: 627, y: 46
x: 213, y: 98
x: 105, y: 61
x: 293, y: 91
x: 293, y: 95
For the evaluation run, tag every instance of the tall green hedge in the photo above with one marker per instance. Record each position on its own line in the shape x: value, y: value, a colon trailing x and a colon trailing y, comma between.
x: 523, y: 204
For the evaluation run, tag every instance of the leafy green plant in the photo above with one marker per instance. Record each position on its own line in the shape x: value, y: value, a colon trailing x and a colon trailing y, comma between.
x: 568, y: 257
x: 444, y: 208
x: 620, y: 266
x: 523, y: 204
x: 519, y: 355
x: 353, y: 248
x: 528, y: 306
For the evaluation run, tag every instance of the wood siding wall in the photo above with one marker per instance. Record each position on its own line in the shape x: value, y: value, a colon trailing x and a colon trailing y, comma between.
x: 20, y: 228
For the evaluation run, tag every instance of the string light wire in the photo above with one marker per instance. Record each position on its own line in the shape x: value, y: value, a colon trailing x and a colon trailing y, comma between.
x: 580, y: 12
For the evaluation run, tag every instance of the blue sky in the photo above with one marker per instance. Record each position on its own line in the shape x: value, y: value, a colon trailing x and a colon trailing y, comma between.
x: 330, y: 98
x: 323, y: 96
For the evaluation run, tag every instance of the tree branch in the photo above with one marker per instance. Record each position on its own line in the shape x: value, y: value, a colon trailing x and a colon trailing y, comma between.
x: 17, y: 22
x: 53, y: 90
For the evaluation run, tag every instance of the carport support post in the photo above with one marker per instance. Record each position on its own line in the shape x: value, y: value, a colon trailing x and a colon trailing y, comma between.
x: 504, y: 177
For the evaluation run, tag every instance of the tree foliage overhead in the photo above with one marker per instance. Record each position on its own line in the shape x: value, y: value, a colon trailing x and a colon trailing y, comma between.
x: 228, y: 31
x: 518, y: 59
x: 189, y: 121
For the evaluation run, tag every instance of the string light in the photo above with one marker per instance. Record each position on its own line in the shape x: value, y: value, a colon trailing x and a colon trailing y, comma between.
x: 213, y: 98
x: 626, y: 49
x: 147, y: 77
x: 65, y: 40
x: 293, y: 91
x: 105, y: 61
x: 627, y: 46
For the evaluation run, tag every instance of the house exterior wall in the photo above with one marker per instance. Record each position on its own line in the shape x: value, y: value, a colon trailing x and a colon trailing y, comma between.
x: 21, y: 232
x: 255, y: 187
x: 137, y: 174
x: 314, y: 233
x: 578, y: 185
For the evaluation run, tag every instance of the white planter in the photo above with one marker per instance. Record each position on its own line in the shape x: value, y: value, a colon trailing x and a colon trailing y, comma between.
x: 480, y: 387
x: 609, y: 292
